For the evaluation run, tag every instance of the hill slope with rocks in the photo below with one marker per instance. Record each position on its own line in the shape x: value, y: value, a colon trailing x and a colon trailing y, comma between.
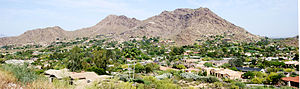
x: 184, y: 26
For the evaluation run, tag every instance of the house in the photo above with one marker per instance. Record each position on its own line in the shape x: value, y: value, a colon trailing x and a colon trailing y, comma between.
x: 218, y: 62
x: 200, y: 64
x: 191, y: 60
x: 86, y: 77
x: 291, y: 81
x: 246, y: 69
x: 18, y: 62
x: 81, y: 78
x: 248, y: 54
x: 166, y: 68
x: 291, y: 63
x: 223, y: 73
x: 271, y: 58
x: 58, y: 74
x: 191, y: 69
x: 195, y: 57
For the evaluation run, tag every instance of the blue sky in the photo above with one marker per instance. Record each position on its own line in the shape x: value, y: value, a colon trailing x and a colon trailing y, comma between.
x: 272, y: 18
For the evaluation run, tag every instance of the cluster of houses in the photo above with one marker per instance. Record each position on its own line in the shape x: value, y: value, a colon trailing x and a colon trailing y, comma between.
x: 82, y: 78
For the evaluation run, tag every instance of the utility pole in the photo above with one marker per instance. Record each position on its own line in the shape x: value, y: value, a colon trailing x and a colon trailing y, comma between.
x: 133, y: 69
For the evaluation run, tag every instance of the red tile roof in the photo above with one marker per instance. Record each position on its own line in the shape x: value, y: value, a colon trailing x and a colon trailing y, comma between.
x: 294, y: 79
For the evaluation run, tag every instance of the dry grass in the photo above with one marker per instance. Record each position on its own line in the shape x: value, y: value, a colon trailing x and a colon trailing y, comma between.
x: 8, y: 81
x: 40, y: 84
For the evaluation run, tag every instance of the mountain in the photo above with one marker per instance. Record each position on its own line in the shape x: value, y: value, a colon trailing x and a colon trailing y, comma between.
x: 36, y: 36
x: 183, y: 25
x: 291, y: 41
x: 112, y: 24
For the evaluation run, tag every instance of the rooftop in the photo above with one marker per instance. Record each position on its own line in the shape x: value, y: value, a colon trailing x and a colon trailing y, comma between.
x: 294, y: 79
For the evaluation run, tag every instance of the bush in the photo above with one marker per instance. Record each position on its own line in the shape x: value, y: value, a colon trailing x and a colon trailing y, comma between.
x: 225, y: 65
x: 39, y: 71
x: 218, y: 85
x: 190, y: 76
x: 180, y: 66
x: 139, y: 80
x: 257, y: 80
x: 248, y: 75
x: 150, y: 67
x: 139, y: 68
x: 160, y: 84
x: 21, y: 72
x: 163, y: 76
x: 2, y: 60
x: 124, y: 77
x: 208, y: 79
x: 97, y: 70
x: 240, y: 84
x: 234, y: 68
x: 208, y: 64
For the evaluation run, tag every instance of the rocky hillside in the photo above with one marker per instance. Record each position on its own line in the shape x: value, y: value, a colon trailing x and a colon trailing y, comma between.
x: 36, y: 36
x: 112, y: 24
x: 184, y: 26
x: 292, y: 41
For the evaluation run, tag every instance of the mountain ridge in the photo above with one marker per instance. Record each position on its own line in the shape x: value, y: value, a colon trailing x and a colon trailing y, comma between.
x: 182, y: 25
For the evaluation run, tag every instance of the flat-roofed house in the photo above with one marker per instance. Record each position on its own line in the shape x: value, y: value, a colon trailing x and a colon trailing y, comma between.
x: 58, y: 74
x: 291, y: 63
x: 223, y: 73
x: 246, y: 69
x: 291, y: 81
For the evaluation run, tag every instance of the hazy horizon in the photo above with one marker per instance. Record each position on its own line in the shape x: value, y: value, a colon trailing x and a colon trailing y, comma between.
x: 271, y: 18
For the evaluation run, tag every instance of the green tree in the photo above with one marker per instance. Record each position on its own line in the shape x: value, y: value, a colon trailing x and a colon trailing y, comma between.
x: 237, y: 62
x: 74, y: 57
x: 100, y: 58
x: 139, y: 68
x: 208, y: 64
x: 150, y: 67
x: 273, y: 78
x: 248, y: 75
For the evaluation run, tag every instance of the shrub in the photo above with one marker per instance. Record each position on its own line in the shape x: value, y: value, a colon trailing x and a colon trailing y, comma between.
x: 113, y: 84
x: 39, y: 71
x: 139, y: 68
x: 257, y: 80
x: 208, y: 64
x: 138, y: 80
x: 180, y: 66
x: 97, y: 70
x: 248, y: 75
x: 150, y: 67
x: 240, y: 84
x: 2, y: 60
x: 124, y: 77
x: 208, y: 79
x: 190, y: 76
x: 212, y: 79
x: 163, y: 76
x: 225, y: 65
x: 160, y: 84
x: 218, y: 84
x: 234, y: 68
x: 21, y: 72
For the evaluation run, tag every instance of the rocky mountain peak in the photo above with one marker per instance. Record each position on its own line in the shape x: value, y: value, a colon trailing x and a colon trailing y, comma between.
x: 119, y: 20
